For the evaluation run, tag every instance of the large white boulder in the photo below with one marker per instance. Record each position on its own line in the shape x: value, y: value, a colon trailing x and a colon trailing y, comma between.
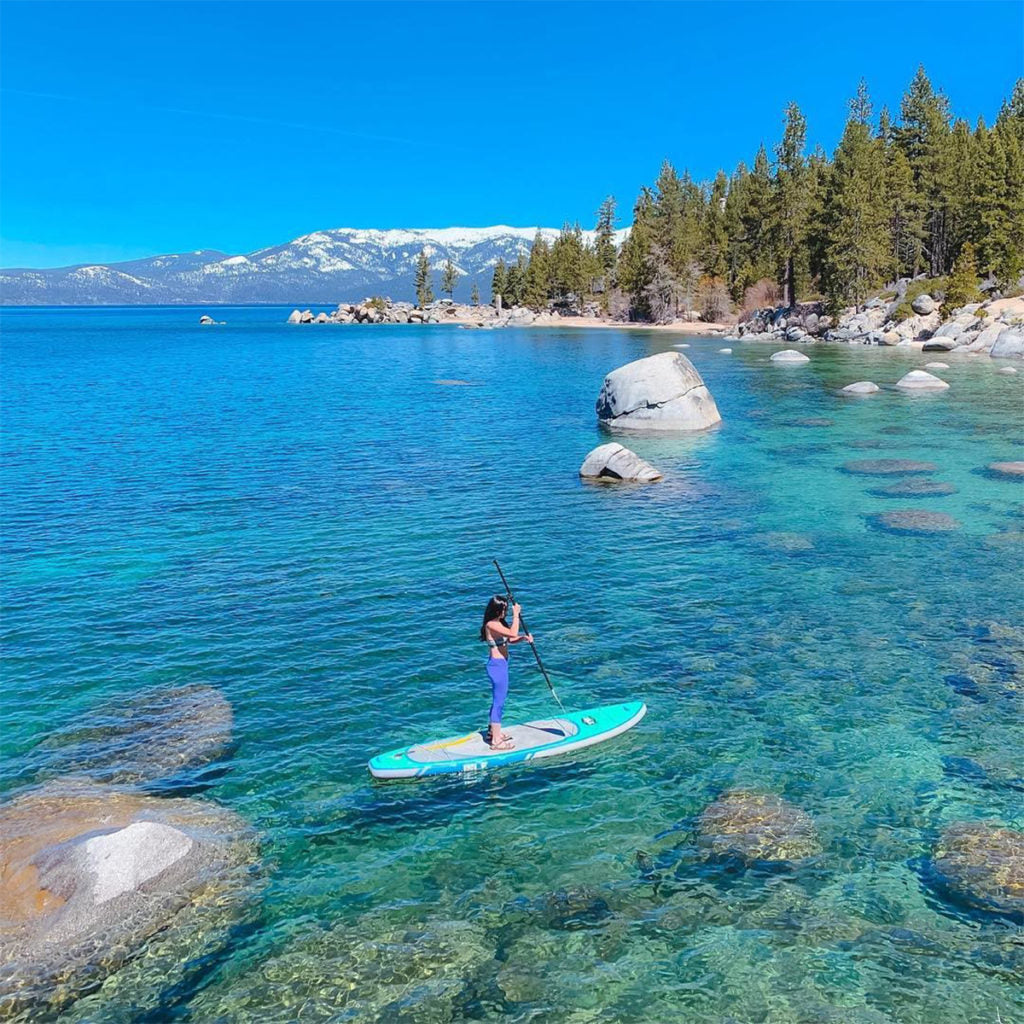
x: 861, y: 387
x: 663, y: 392
x: 987, y: 338
x: 921, y: 380
x: 789, y: 357
x: 1009, y: 343
x: 924, y: 304
x: 613, y: 462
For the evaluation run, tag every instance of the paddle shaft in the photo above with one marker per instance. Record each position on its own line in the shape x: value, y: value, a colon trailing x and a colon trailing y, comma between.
x: 533, y: 646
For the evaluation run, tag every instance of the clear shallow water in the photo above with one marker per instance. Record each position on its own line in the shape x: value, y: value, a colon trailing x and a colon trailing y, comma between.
x: 303, y: 518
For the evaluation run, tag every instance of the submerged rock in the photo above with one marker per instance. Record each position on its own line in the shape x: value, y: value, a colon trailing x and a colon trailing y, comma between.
x: 374, y: 970
x: 982, y: 865
x: 914, y: 521
x: 90, y: 874
x: 757, y: 827
x: 1007, y: 470
x: 155, y: 735
x: 860, y: 387
x: 921, y: 380
x: 888, y: 467
x: 613, y: 462
x: 725, y: 351
x: 914, y: 488
x: 789, y: 356
x: 1008, y: 370
x: 783, y: 540
x: 663, y: 392
x: 936, y: 366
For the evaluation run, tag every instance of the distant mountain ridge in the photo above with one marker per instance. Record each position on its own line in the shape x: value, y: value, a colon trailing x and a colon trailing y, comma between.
x: 322, y: 268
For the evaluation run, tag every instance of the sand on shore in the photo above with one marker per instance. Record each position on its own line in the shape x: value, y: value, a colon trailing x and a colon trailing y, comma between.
x: 482, y: 314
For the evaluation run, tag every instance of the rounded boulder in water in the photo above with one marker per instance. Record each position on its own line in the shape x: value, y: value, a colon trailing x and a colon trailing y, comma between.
x: 757, y: 827
x: 662, y: 393
x: 143, y: 737
x: 860, y: 387
x: 914, y: 487
x: 888, y: 467
x: 1007, y: 470
x: 614, y: 463
x: 92, y: 875
x: 914, y: 521
x: 789, y: 357
x: 981, y: 864
x: 921, y: 380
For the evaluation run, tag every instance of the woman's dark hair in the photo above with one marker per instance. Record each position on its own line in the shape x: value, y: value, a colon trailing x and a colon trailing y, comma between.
x: 496, y: 609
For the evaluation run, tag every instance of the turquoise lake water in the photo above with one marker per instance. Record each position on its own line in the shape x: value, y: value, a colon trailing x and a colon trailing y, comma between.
x: 303, y: 517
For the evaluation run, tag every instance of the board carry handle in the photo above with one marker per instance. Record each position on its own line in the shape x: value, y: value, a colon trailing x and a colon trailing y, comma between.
x: 536, y: 653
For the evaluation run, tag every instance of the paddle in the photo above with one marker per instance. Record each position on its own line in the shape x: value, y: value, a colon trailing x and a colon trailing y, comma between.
x: 522, y: 622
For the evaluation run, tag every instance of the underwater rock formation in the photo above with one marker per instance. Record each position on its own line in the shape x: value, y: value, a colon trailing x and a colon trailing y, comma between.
x: 141, y: 738
x: 90, y: 873
x: 982, y: 865
x: 757, y: 827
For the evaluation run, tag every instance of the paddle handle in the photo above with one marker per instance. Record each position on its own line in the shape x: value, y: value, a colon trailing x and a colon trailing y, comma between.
x: 533, y: 646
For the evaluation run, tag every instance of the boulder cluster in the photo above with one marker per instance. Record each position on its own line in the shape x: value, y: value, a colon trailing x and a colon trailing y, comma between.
x: 385, y: 311
x: 976, y: 327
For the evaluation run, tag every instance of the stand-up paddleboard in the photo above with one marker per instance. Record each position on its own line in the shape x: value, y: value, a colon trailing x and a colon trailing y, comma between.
x: 544, y: 738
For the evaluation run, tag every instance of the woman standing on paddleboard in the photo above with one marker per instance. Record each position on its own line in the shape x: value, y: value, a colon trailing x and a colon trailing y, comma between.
x: 498, y: 635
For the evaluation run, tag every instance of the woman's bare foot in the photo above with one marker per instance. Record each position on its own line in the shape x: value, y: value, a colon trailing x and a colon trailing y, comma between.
x: 505, y: 743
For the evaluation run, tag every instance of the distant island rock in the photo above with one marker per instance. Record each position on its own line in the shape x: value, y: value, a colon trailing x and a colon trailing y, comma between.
x: 663, y: 392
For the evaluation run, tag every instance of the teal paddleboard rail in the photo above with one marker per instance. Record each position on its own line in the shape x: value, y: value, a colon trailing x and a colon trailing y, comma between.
x: 546, y: 737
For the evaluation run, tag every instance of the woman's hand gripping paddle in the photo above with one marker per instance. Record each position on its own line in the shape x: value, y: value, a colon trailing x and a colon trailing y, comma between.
x: 522, y: 622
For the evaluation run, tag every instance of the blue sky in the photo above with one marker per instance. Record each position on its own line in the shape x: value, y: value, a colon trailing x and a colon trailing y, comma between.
x: 135, y: 128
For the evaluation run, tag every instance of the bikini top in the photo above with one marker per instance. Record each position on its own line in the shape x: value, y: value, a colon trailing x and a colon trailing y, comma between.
x: 495, y: 644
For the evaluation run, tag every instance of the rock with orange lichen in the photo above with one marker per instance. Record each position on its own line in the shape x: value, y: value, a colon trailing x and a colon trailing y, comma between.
x: 982, y: 865
x: 757, y: 827
x: 89, y: 874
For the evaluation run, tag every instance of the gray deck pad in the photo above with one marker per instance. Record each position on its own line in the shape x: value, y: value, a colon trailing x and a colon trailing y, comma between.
x: 524, y: 737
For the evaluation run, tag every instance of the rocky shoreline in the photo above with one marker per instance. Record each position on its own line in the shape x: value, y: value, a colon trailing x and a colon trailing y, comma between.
x: 445, y: 311
x: 994, y: 327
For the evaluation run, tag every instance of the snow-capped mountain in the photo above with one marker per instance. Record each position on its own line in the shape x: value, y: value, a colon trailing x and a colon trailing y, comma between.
x: 324, y: 267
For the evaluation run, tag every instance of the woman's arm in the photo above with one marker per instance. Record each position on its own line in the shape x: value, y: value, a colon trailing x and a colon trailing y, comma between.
x: 512, y: 632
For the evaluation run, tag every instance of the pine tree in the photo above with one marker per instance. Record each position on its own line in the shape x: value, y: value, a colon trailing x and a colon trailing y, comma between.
x: 791, y: 200
x: 568, y: 272
x: 959, y: 186
x: 634, y: 270
x: 906, y: 230
x: 962, y: 285
x: 499, y: 281
x: 474, y: 295
x: 1011, y: 114
x: 997, y: 203
x: 604, y: 238
x: 924, y: 136
x: 537, y: 287
x: 449, y: 278
x: 857, y: 251
x: 424, y: 291
x: 715, y: 241
x: 1010, y: 263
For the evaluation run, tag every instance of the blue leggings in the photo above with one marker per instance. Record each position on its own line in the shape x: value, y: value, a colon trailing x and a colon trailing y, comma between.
x: 497, y: 672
